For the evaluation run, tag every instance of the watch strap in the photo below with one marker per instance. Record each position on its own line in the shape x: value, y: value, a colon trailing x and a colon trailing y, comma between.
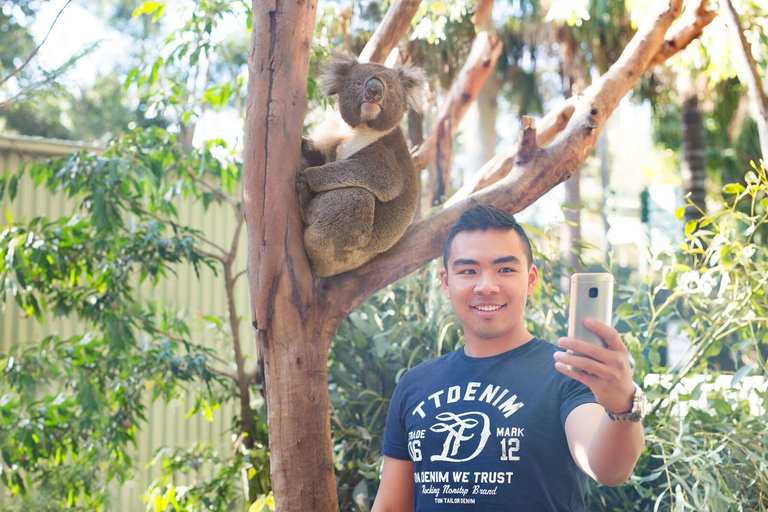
x: 636, y: 413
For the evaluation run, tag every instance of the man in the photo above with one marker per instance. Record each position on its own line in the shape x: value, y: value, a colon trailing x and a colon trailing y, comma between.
x: 502, y: 423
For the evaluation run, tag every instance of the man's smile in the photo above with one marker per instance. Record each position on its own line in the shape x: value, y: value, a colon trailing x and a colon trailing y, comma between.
x: 487, y: 308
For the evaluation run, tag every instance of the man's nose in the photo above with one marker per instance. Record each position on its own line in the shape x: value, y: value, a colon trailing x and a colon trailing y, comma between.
x: 486, y: 284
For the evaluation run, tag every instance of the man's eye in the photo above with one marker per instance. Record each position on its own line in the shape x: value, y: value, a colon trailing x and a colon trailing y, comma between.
x: 467, y: 271
x: 506, y: 270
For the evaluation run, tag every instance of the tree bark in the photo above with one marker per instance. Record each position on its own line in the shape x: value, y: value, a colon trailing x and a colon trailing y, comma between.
x: 296, y: 315
x: 481, y: 136
x: 570, y: 230
x: 574, y: 81
x: 292, y: 330
x: 754, y: 84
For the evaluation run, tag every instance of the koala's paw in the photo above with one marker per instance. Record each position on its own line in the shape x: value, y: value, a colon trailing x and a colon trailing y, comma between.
x: 310, y: 156
x: 305, y: 196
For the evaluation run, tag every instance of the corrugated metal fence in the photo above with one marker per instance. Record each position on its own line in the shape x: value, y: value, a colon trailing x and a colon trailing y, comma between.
x: 198, y: 298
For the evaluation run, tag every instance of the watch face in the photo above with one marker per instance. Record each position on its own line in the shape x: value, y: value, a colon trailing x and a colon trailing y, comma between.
x: 642, y: 403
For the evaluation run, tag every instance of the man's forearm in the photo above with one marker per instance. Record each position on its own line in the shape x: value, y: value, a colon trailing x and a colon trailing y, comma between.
x: 614, y: 450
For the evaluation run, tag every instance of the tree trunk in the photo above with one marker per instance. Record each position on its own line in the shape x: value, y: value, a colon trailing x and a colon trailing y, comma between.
x: 605, y: 181
x: 293, y: 333
x: 482, y: 137
x: 296, y: 315
x: 693, y: 164
x: 443, y: 158
x: 571, y: 229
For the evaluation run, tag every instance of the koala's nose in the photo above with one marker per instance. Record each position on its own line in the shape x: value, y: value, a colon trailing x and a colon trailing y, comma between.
x: 374, y: 90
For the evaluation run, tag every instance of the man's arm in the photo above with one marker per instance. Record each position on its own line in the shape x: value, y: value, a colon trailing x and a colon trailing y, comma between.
x: 396, y: 488
x: 604, y: 449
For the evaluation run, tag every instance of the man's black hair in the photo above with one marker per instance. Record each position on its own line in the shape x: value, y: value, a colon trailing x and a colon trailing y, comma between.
x: 483, y: 218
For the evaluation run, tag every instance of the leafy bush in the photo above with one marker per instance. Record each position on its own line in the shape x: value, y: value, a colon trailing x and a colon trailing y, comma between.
x: 706, y: 447
x: 70, y: 406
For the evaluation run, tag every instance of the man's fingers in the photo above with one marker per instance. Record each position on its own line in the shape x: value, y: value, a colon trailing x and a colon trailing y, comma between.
x: 582, y: 347
x: 583, y: 376
x: 606, y: 332
x: 579, y: 360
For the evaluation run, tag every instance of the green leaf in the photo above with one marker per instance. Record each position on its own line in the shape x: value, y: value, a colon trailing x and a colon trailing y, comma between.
x: 13, y: 186
x: 744, y: 371
x: 680, y: 213
x: 690, y: 227
x: 146, y: 8
x: 154, y: 72
x: 158, y: 14
x: 733, y: 188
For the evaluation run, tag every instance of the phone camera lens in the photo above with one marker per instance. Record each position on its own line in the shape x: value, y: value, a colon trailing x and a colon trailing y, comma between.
x: 592, y: 292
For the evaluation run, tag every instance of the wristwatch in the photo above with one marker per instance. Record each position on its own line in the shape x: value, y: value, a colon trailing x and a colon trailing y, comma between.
x: 637, y: 413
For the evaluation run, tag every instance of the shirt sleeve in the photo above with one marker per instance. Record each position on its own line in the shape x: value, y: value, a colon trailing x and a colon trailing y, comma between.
x: 573, y: 394
x: 395, y: 437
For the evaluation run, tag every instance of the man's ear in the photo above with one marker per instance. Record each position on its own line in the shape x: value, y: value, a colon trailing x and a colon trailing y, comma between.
x: 444, y: 282
x: 533, y: 278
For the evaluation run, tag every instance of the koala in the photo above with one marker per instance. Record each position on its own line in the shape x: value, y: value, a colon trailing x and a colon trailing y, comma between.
x: 358, y: 189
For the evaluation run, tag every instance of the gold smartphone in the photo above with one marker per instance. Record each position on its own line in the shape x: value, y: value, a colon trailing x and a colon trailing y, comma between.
x: 591, y: 296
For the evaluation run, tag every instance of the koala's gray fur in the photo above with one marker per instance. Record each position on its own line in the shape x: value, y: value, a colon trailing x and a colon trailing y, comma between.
x: 361, y: 190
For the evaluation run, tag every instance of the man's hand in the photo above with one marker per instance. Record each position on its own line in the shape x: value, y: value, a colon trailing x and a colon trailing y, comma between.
x: 606, y: 370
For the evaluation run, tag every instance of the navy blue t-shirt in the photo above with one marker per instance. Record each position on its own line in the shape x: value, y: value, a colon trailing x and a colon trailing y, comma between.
x: 488, y: 433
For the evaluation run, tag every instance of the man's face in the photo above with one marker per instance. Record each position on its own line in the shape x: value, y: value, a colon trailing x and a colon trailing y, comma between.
x: 488, y: 282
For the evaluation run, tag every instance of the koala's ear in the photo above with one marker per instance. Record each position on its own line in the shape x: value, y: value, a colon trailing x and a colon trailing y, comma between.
x: 336, y: 71
x: 414, y: 80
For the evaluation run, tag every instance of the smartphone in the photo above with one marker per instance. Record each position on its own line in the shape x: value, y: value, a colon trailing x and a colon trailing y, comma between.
x: 591, y: 296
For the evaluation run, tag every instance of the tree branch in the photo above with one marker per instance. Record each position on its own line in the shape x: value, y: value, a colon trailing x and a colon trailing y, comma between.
x: 239, y: 275
x: 138, y: 207
x: 213, y: 189
x: 527, y: 143
x: 555, y: 121
x: 529, y: 181
x: 499, y: 166
x: 481, y: 61
x: 691, y: 26
x: 394, y: 26
x: 37, y: 49
x: 151, y: 327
